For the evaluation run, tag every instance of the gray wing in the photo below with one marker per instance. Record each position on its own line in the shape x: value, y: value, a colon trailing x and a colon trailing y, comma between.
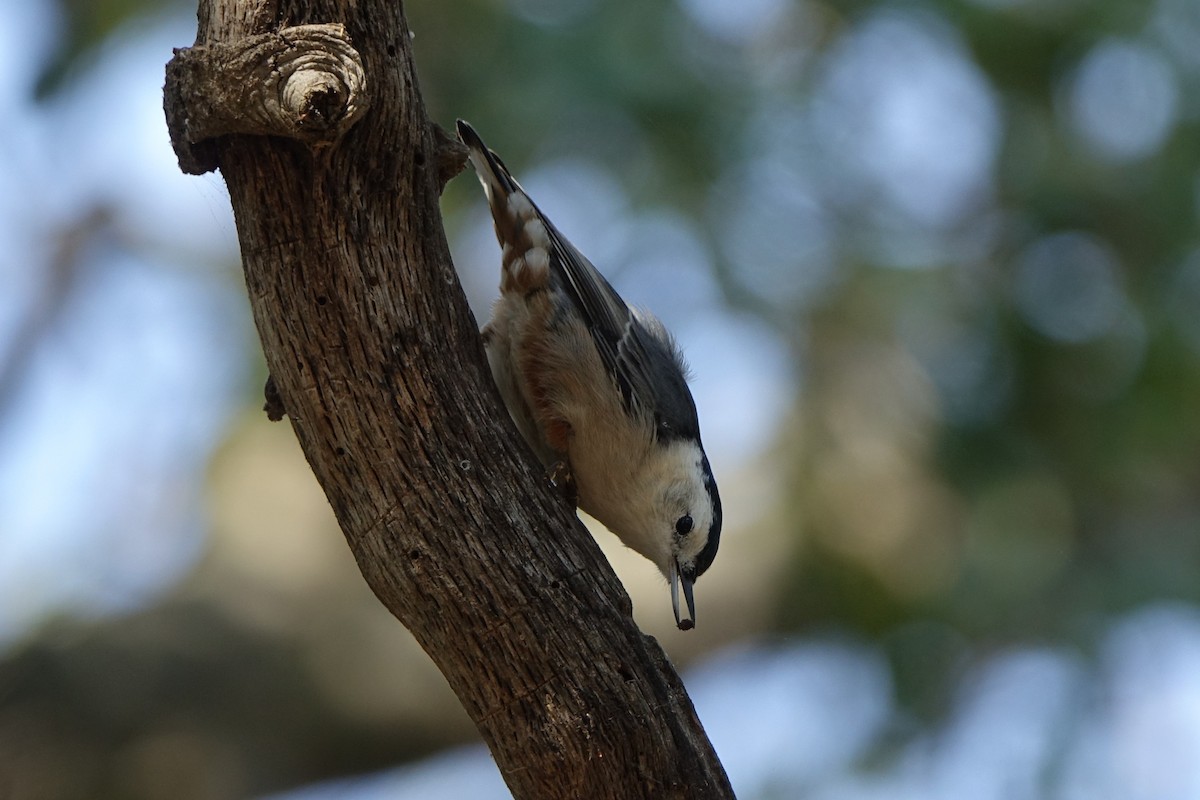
x: 635, y: 348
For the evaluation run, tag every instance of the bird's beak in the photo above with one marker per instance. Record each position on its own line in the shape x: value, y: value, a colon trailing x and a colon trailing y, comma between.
x: 678, y: 577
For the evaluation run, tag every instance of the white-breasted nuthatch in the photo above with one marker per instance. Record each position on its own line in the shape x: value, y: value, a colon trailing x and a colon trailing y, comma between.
x: 597, y: 389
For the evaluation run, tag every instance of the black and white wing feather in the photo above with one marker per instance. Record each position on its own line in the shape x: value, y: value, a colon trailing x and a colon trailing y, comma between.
x: 636, y: 350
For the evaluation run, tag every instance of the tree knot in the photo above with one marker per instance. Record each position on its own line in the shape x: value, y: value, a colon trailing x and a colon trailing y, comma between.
x: 305, y: 82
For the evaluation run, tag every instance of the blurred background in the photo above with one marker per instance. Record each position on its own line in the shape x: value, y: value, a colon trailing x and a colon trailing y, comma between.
x: 936, y: 268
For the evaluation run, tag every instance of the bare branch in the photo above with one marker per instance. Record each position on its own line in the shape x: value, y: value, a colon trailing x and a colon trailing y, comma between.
x: 376, y: 358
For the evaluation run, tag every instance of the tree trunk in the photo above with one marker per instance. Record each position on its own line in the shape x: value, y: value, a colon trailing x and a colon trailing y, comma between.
x: 334, y: 174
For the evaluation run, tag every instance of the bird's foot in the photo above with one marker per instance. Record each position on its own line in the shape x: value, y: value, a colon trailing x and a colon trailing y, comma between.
x: 562, y: 481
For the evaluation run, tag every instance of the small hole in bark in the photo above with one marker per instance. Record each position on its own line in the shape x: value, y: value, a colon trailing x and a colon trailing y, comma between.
x: 341, y: 451
x: 391, y: 50
x: 419, y: 158
x: 322, y: 299
x: 414, y: 554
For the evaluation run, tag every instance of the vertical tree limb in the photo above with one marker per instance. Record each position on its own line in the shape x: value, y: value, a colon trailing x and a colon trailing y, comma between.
x: 375, y: 357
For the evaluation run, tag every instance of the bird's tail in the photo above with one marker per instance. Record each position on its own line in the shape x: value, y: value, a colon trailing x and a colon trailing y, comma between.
x: 497, y: 181
x: 524, y: 236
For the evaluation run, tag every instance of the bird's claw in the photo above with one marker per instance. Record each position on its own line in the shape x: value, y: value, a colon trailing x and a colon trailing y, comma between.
x: 562, y: 481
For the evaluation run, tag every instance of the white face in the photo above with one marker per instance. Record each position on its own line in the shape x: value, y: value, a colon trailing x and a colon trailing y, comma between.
x: 684, y: 507
x: 689, y: 518
x: 688, y: 511
x: 667, y: 509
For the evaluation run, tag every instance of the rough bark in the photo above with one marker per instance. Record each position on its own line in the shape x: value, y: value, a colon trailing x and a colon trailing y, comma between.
x: 376, y: 360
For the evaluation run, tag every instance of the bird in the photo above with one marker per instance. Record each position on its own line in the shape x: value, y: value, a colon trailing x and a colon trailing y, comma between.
x: 598, y: 389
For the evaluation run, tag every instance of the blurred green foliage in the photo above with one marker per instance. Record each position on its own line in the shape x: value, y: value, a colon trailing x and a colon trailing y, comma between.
x: 1071, y: 486
x: 972, y: 454
x: 85, y: 26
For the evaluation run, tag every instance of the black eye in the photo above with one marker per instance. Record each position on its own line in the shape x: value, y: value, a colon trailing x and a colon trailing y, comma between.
x: 683, y: 525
